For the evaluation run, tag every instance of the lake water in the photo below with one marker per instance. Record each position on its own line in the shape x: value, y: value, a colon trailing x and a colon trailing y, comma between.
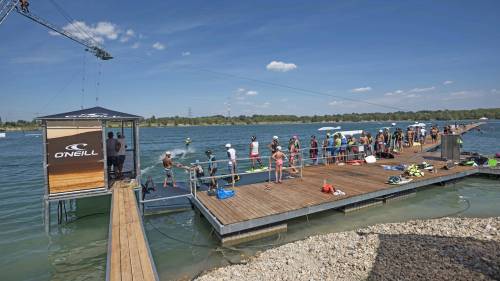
x: 182, y: 243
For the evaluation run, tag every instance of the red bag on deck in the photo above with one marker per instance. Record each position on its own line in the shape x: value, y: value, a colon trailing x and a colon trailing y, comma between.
x: 328, y: 188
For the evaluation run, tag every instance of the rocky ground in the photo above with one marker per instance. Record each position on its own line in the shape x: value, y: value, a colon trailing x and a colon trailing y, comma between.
x: 439, y: 249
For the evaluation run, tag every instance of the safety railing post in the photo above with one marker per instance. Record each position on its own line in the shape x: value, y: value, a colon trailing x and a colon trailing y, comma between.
x: 301, y: 162
x: 190, y: 182
x: 195, y: 183
x: 269, y: 169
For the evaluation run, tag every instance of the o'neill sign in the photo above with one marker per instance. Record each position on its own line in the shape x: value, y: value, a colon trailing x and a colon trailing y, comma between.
x: 76, y: 150
x: 75, y: 157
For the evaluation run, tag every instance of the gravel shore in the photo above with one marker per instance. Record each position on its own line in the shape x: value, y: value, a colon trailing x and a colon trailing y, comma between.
x: 438, y: 249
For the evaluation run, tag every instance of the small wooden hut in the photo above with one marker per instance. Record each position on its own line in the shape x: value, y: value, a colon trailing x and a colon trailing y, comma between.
x: 75, y: 156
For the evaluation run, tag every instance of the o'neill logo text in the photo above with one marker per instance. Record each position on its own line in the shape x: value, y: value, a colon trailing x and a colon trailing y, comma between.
x: 75, y: 150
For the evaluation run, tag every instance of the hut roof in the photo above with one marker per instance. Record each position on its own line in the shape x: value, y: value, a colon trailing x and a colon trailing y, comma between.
x: 94, y: 113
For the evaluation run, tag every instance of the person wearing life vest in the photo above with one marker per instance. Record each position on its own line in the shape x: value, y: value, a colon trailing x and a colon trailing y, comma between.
x: 254, y: 153
x: 313, y: 150
x: 343, y: 147
x: 212, y: 168
x: 336, y: 146
x: 273, y: 146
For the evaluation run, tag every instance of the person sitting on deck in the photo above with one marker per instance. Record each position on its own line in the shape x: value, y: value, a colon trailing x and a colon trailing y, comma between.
x: 278, y: 157
x: 198, y: 171
x: 147, y: 187
x: 168, y: 165
x: 254, y: 153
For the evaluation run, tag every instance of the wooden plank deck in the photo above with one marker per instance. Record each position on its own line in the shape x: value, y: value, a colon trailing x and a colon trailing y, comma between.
x: 129, y: 256
x: 269, y: 203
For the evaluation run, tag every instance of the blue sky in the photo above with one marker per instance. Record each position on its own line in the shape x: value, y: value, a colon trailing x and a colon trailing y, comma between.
x: 247, y: 56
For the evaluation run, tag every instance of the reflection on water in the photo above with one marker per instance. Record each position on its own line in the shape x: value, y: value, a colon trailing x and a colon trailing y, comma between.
x: 186, y: 245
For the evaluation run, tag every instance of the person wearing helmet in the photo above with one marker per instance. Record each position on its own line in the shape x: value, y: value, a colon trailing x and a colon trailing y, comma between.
x: 212, y: 168
x: 168, y: 165
x: 274, y: 144
x: 254, y: 152
x: 187, y: 142
x: 278, y: 157
x: 231, y: 164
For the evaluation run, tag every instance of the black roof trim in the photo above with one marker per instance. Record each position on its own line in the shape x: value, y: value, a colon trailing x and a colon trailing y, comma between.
x: 94, y: 113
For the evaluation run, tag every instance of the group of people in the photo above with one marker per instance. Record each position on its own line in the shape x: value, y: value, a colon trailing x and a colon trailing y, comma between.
x: 336, y: 148
x: 116, y: 150
x: 275, y: 148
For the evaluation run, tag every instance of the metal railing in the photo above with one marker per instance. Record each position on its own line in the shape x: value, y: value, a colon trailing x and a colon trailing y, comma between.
x: 297, y: 166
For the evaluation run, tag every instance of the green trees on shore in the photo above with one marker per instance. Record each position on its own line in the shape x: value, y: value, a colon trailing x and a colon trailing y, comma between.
x: 490, y: 113
x: 425, y: 115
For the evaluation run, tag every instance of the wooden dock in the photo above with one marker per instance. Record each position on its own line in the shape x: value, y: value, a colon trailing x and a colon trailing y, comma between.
x: 265, y: 204
x: 129, y: 256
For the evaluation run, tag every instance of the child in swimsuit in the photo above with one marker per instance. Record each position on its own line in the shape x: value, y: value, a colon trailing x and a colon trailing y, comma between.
x: 278, y: 157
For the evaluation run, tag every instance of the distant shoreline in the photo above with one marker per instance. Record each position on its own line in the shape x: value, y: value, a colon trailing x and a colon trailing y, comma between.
x: 145, y: 125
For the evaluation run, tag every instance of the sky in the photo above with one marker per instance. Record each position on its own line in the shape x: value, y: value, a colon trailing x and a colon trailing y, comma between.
x: 252, y: 57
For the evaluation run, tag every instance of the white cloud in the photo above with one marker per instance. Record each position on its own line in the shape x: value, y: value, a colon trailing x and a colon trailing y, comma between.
x: 284, y: 100
x: 459, y: 94
x: 242, y: 93
x: 280, y: 66
x: 185, y: 54
x: 136, y: 45
x: 398, y: 92
x: 334, y: 103
x: 361, y: 90
x: 421, y: 90
x: 495, y: 91
x: 447, y: 82
x: 265, y: 105
x: 159, y: 46
x: 127, y: 36
x: 99, y: 32
x: 389, y: 94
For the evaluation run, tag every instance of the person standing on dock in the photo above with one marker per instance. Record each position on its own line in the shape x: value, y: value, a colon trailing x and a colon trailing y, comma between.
x: 434, y: 134
x: 231, y: 165
x: 121, y: 153
x: 168, y: 165
x: 212, y: 168
x: 313, y: 150
x: 273, y: 146
x: 254, y: 153
x: 278, y: 157
x: 111, y: 150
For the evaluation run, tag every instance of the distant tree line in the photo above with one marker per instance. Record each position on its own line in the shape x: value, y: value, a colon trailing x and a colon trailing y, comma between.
x: 424, y: 115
